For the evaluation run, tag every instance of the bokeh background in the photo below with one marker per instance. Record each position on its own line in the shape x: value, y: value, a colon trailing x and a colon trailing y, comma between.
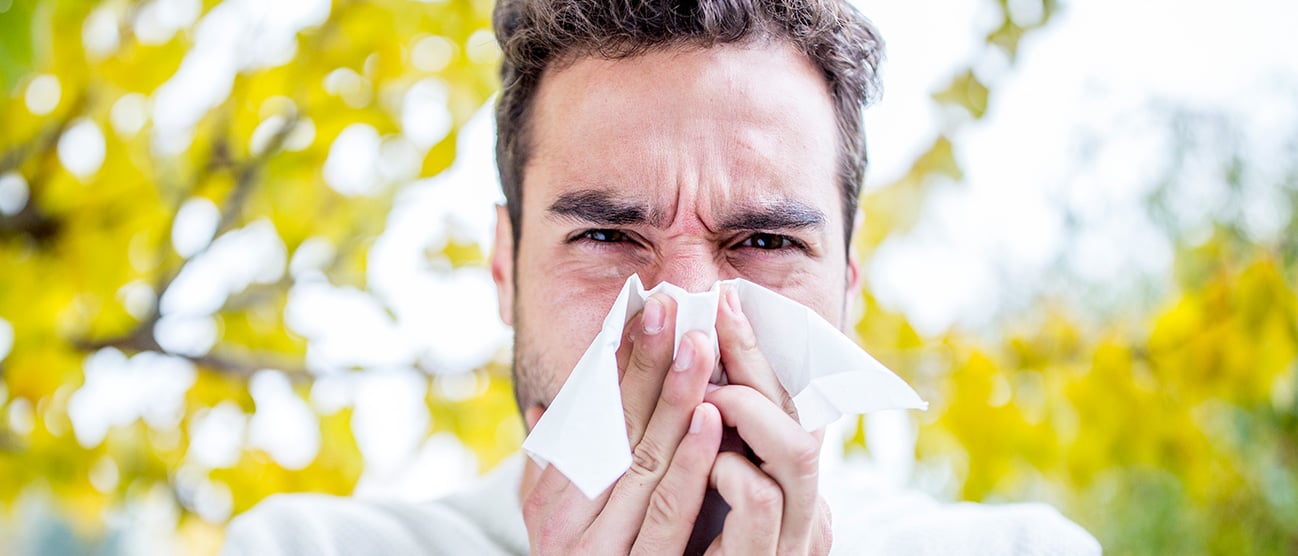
x: 242, y: 252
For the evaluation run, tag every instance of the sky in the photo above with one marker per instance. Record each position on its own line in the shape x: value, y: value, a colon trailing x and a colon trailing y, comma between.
x: 1093, y: 78
x: 1089, y: 79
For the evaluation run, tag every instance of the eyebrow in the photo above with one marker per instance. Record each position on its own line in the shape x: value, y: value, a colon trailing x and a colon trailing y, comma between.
x: 784, y: 214
x: 604, y: 209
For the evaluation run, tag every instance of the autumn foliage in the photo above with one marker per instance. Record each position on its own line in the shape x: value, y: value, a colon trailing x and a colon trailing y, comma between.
x: 1164, y: 424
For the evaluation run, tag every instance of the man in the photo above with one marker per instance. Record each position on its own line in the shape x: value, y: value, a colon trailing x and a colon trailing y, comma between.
x: 687, y: 143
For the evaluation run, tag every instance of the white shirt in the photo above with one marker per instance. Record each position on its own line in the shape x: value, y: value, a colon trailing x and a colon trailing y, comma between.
x: 485, y: 519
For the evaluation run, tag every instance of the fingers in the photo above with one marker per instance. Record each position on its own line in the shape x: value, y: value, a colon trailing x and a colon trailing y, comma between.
x: 789, y: 455
x: 670, y: 466
x: 742, y: 358
x: 556, y: 512
x: 822, y: 532
x: 680, y: 393
x: 646, y: 366
x: 756, y: 507
x: 629, y: 333
x: 675, y: 504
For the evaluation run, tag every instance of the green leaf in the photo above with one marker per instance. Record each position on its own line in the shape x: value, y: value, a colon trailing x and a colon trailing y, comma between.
x: 17, y: 55
x: 966, y: 91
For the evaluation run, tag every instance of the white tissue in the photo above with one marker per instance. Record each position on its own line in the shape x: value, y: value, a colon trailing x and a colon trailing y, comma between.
x: 583, y: 431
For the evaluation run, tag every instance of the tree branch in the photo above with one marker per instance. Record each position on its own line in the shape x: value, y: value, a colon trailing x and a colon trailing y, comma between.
x: 138, y: 342
x: 141, y: 338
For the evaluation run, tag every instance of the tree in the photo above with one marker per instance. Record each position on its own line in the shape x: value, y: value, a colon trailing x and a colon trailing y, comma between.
x: 141, y: 138
x: 177, y: 178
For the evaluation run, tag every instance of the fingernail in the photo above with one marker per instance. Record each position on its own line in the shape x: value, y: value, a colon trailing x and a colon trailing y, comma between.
x: 696, y: 422
x: 710, y: 388
x: 654, y: 315
x: 732, y: 299
x: 683, y: 355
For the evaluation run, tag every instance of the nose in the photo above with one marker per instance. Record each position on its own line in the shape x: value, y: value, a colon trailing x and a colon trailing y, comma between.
x: 693, y: 268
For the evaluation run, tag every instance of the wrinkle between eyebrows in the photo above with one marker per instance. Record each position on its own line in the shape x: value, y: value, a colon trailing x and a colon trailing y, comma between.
x: 605, y: 208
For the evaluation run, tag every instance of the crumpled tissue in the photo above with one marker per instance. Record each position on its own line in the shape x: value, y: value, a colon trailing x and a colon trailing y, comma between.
x: 583, y: 432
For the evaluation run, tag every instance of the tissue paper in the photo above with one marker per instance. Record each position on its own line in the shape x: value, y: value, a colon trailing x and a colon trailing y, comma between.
x: 583, y: 431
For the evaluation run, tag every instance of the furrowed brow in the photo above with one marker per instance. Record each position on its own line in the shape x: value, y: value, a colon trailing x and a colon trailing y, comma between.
x: 600, y: 208
x: 781, y: 215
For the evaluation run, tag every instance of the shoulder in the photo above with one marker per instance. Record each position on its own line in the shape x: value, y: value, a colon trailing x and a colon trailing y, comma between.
x: 968, y: 528
x: 318, y: 524
x: 479, y: 520
x: 994, y: 529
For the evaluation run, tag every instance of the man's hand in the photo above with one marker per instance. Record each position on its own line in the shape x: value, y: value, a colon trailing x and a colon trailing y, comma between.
x: 674, y: 422
x: 775, y: 505
x: 674, y: 439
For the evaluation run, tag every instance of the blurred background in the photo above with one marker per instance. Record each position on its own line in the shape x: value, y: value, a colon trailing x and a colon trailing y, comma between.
x: 242, y: 250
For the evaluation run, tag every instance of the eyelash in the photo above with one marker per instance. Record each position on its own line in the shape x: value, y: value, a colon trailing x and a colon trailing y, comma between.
x: 588, y: 235
x: 619, y: 236
x: 784, y: 241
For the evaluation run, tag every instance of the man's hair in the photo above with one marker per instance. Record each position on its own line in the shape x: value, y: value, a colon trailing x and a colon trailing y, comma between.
x: 536, y: 34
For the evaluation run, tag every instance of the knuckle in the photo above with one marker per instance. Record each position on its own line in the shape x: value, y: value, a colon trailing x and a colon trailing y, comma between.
x: 664, y: 508
x: 533, y: 509
x: 786, y: 402
x: 646, y: 459
x: 745, y: 340
x: 548, y: 531
x: 764, y: 496
x: 643, y: 357
x: 805, y: 457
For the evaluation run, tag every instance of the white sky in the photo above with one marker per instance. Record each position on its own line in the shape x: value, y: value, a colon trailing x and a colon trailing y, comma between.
x: 1097, y: 68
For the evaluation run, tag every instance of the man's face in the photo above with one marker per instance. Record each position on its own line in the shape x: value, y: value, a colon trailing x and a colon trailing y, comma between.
x: 685, y: 166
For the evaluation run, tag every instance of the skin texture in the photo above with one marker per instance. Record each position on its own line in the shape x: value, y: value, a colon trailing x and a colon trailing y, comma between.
x: 688, y: 166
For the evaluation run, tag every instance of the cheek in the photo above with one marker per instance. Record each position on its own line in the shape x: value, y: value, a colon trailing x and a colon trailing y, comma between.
x: 824, y: 292
x: 574, y: 304
x: 569, y: 281
x: 561, y: 308
x: 774, y: 273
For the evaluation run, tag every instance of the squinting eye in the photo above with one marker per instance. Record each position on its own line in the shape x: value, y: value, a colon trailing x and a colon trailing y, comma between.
x: 605, y: 236
x: 766, y: 241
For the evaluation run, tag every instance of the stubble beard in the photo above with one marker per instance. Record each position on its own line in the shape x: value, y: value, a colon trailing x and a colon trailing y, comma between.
x: 532, y: 386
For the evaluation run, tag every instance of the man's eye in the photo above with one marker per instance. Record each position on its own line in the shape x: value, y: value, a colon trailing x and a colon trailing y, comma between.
x: 767, y: 241
x: 605, y: 236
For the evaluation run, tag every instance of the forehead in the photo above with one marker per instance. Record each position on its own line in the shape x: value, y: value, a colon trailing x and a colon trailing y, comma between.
x: 770, y: 76
x: 756, y: 118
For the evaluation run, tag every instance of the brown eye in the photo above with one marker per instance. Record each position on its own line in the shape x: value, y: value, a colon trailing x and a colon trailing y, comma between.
x: 605, y: 236
x: 766, y: 241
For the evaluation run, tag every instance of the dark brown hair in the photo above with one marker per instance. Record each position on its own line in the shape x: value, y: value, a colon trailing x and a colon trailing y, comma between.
x: 536, y: 34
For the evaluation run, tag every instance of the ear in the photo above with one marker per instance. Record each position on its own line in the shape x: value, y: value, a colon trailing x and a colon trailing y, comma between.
x: 854, y: 257
x: 502, y: 265
x: 853, y: 274
x: 854, y: 280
